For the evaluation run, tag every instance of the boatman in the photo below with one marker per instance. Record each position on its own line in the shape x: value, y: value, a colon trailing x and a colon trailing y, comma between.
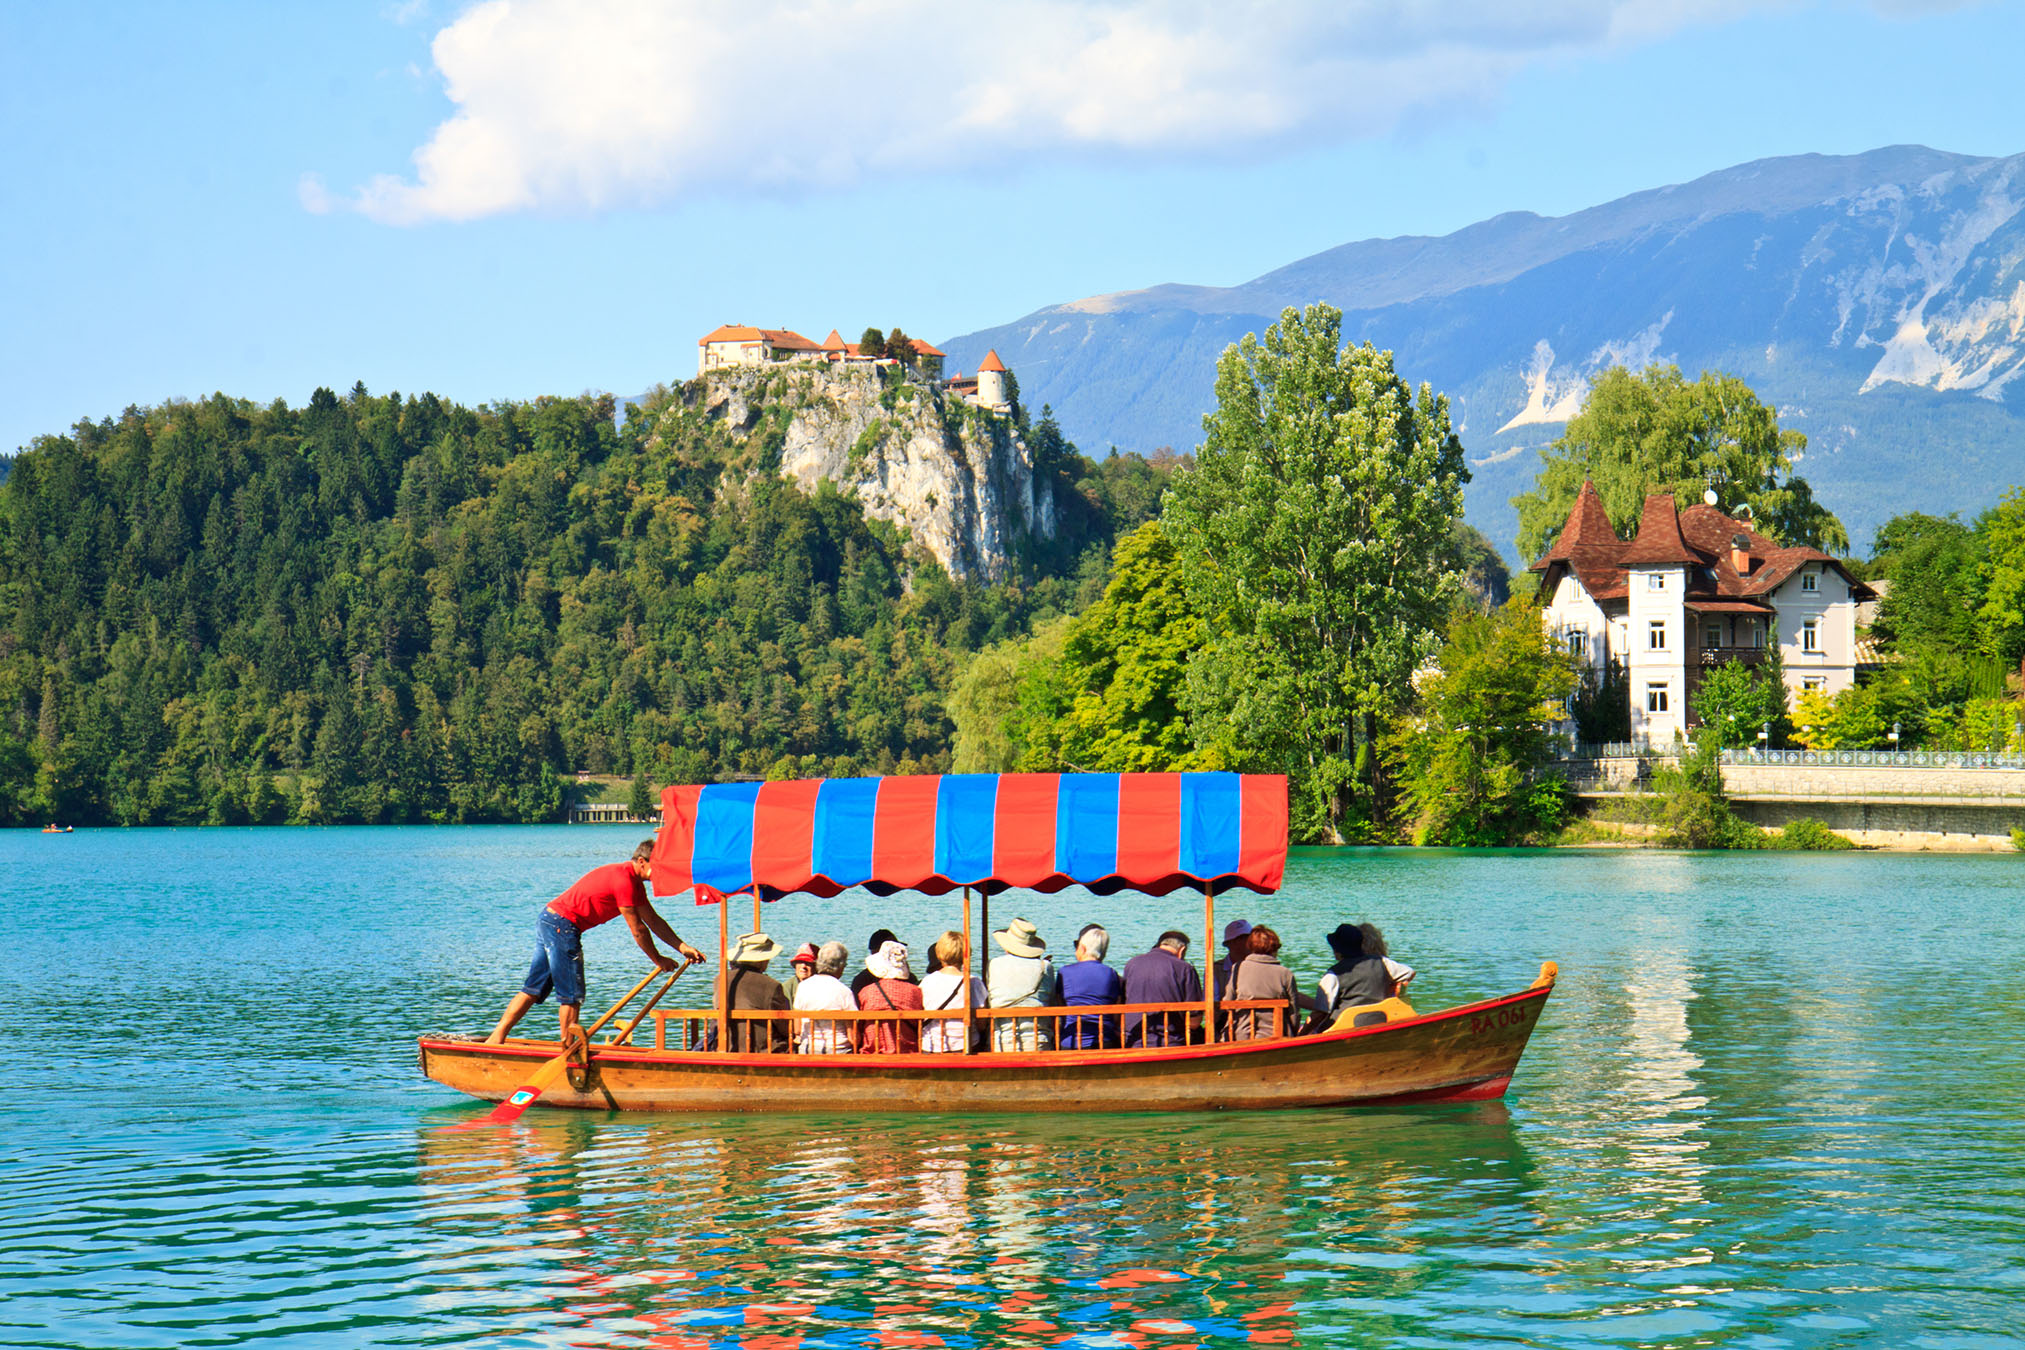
x: 603, y: 893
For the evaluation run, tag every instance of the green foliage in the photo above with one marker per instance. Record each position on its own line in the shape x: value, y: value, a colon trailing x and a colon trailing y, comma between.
x: 2018, y: 839
x: 1734, y: 701
x: 1601, y: 705
x: 1485, y: 579
x: 1103, y: 691
x: 1693, y: 812
x: 872, y: 343
x: 1934, y: 567
x: 1810, y: 835
x: 1007, y: 701
x: 1654, y: 431
x: 1471, y: 765
x: 2001, y: 617
x: 640, y: 798
x: 900, y: 347
x: 1315, y: 534
x: 396, y: 609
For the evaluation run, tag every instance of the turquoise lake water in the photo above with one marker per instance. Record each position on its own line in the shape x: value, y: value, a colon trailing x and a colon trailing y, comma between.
x: 1775, y: 1101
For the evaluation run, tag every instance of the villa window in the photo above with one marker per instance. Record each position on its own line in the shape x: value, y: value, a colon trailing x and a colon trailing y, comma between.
x: 1814, y: 682
x: 1655, y: 698
x: 1578, y: 644
x: 1810, y: 581
x: 1712, y: 636
x: 1655, y: 635
x: 1757, y: 634
x: 1810, y: 636
x: 1655, y: 581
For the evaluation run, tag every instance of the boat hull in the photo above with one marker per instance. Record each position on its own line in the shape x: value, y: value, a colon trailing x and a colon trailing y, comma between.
x: 1460, y: 1054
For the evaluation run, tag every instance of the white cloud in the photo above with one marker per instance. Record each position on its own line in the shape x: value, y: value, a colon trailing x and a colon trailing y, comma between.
x: 578, y: 105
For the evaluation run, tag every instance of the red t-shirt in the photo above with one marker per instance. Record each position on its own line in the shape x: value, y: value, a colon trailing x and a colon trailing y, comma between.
x: 599, y: 895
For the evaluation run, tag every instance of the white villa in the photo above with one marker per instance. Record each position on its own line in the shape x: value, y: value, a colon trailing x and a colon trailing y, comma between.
x: 737, y: 345
x: 1694, y: 589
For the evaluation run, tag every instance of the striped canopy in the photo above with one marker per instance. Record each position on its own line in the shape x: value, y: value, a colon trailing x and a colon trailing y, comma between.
x: 1150, y: 832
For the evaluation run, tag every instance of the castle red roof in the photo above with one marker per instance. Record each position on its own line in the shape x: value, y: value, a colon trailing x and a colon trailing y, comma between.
x: 782, y: 339
x: 991, y: 362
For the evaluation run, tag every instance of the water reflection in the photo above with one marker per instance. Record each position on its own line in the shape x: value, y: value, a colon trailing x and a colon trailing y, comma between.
x: 926, y: 1231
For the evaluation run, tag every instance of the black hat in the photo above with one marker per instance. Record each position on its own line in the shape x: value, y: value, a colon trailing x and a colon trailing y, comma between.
x: 880, y: 939
x: 1347, y: 939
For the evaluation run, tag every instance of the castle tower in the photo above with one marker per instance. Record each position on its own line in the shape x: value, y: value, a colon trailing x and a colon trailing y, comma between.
x: 991, y: 390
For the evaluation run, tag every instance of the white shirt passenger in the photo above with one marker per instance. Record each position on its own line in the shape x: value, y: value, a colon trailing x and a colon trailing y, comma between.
x: 943, y: 988
x: 824, y: 993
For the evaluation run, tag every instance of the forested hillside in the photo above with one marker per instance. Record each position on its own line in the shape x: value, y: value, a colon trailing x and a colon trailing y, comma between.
x: 397, y: 609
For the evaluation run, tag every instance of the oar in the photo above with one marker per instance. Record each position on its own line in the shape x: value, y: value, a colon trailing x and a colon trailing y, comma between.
x: 626, y: 1033
x: 544, y: 1078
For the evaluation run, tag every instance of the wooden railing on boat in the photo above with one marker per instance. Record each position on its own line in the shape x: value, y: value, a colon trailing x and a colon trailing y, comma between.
x: 696, y: 1029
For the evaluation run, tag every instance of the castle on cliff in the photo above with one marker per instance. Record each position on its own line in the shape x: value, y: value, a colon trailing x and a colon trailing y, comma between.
x: 738, y: 345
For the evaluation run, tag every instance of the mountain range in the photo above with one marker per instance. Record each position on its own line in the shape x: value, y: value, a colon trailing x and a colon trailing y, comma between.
x: 1877, y: 300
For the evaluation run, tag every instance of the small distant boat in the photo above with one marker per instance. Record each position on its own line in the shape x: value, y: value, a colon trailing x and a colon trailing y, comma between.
x: 54, y: 828
x: 932, y: 834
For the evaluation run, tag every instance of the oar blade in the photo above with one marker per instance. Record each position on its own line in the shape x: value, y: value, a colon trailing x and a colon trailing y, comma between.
x: 524, y: 1096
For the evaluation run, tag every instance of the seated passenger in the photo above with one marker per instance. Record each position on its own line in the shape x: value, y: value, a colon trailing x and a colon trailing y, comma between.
x: 942, y: 988
x: 1261, y: 976
x: 825, y: 991
x: 1374, y: 943
x: 1358, y: 977
x: 1022, y: 978
x: 803, y: 964
x: 1088, y: 982
x: 1161, y: 975
x: 748, y: 988
x: 865, y: 976
x: 893, y: 987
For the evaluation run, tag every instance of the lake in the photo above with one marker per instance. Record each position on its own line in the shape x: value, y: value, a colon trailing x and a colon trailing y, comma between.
x: 1774, y: 1101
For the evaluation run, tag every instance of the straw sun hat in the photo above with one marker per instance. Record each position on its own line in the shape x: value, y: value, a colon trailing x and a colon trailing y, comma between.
x: 754, y: 949
x: 1021, y: 938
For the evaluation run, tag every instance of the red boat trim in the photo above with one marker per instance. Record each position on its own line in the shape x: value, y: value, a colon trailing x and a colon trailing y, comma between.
x: 995, y: 1060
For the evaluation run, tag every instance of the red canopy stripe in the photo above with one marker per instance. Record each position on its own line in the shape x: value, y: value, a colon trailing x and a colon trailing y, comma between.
x: 1023, y: 851
x: 673, y: 841
x: 1149, y: 824
x: 903, y: 832
x: 1262, y: 836
x: 783, y: 828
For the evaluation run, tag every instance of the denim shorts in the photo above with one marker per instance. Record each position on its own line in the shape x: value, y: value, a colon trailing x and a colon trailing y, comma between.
x: 558, y: 961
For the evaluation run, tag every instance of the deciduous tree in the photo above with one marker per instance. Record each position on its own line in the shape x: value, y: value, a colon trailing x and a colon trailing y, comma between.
x: 1472, y: 762
x: 1655, y: 431
x: 1315, y: 535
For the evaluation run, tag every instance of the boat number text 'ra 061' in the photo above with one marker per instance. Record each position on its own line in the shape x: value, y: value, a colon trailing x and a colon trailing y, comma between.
x: 1490, y: 1021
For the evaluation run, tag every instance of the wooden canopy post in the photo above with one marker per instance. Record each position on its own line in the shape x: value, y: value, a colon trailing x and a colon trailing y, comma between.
x: 983, y: 955
x: 1208, y: 966
x: 757, y: 926
x: 723, y: 973
x: 966, y: 971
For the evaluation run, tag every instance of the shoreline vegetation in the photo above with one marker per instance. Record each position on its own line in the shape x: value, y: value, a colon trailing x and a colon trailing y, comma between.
x: 395, y: 609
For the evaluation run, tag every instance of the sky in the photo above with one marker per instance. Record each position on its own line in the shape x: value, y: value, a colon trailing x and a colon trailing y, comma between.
x: 522, y: 197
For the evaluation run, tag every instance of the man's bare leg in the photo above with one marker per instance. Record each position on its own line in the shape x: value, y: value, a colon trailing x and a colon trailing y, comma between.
x: 516, y: 1008
x: 572, y: 1030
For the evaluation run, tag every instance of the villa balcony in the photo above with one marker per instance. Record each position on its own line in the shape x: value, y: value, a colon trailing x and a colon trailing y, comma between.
x: 1716, y: 656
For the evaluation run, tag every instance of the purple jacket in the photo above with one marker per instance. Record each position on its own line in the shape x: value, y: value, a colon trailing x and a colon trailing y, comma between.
x: 1159, y: 976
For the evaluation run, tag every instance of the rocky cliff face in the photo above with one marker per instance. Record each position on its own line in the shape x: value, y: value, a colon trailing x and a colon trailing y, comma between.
x: 959, y: 480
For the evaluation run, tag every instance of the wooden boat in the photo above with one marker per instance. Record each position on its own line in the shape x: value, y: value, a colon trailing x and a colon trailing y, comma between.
x: 1153, y: 833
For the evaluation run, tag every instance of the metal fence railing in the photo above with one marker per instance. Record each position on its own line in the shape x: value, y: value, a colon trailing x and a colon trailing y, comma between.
x: 1877, y: 759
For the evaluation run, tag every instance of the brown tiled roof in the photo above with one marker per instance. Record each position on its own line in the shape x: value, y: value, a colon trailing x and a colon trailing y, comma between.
x: 1658, y: 543
x: 991, y: 361
x: 1701, y: 538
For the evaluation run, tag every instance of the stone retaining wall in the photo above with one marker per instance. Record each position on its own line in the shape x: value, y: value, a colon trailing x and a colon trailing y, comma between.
x: 1820, y: 780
